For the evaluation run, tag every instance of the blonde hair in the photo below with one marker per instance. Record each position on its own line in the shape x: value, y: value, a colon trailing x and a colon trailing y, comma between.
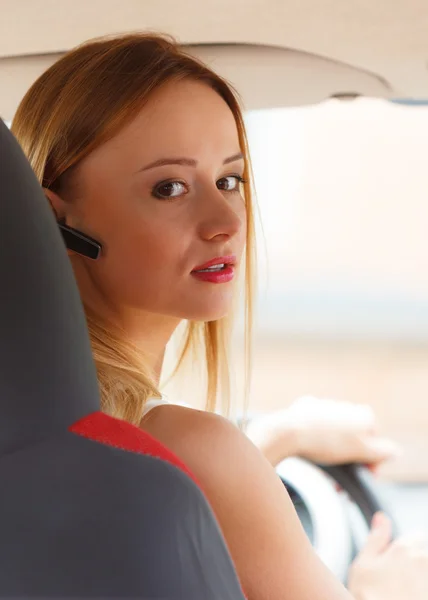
x: 80, y: 102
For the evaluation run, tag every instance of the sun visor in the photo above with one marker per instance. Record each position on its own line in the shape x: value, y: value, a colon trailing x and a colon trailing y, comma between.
x: 269, y: 77
x: 265, y: 77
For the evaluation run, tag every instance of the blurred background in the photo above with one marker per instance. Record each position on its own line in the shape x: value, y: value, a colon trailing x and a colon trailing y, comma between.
x: 343, y: 290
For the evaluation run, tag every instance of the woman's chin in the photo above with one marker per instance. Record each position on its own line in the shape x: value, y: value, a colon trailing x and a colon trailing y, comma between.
x: 208, y: 313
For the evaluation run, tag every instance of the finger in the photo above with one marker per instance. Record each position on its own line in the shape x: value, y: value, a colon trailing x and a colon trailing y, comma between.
x: 379, y: 537
x: 410, y: 542
x: 379, y: 449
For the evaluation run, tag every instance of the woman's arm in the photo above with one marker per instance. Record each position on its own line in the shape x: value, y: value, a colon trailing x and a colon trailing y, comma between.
x: 273, y: 556
x: 324, y: 431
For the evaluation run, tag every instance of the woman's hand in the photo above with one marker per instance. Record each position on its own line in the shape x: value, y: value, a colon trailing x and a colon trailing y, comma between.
x: 389, y: 571
x: 323, y: 431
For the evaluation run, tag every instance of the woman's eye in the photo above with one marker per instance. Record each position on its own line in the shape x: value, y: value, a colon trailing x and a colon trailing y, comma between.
x: 231, y: 183
x: 170, y: 189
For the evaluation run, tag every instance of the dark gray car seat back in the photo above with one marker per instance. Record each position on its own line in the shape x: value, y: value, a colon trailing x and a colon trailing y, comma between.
x: 89, y: 506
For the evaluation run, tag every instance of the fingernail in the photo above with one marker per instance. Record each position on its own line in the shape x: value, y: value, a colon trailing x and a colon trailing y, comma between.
x: 378, y: 520
x: 375, y: 521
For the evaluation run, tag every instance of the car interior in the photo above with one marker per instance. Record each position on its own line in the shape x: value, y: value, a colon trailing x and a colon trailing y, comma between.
x: 313, y: 67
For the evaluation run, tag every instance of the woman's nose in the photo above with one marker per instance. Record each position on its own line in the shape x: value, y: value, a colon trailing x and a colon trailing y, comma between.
x: 222, y: 218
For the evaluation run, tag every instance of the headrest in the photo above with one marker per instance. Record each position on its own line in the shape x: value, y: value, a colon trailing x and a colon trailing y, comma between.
x: 47, y: 375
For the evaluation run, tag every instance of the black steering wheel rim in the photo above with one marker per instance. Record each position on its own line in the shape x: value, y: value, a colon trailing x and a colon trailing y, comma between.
x: 336, y: 521
x: 355, y: 481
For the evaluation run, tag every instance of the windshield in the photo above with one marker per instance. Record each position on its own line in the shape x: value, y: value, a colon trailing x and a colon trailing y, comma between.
x: 343, y: 292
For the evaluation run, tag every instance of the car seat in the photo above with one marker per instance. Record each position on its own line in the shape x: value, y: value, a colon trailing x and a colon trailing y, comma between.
x: 90, y: 506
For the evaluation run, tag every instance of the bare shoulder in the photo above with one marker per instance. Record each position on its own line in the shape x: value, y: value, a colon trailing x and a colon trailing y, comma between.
x: 222, y: 458
x: 212, y: 447
x: 264, y: 535
x: 198, y: 437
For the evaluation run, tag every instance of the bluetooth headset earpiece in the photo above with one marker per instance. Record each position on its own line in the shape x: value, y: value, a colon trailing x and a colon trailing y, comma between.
x: 80, y: 242
x: 77, y: 241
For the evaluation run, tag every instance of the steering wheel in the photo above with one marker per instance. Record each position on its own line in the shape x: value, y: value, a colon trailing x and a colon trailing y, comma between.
x: 335, y: 505
x: 336, y: 522
x: 354, y: 479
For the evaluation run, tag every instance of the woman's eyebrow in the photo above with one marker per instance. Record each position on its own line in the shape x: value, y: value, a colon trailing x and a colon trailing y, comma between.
x: 234, y: 158
x: 188, y: 162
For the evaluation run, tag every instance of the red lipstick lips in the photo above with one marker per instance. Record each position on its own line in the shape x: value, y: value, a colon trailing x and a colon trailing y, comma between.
x: 217, y: 270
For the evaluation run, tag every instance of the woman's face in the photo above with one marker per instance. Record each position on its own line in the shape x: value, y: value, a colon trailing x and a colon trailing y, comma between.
x: 164, y: 198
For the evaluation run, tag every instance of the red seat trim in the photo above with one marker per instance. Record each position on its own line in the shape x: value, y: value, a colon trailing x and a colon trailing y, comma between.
x: 116, y: 433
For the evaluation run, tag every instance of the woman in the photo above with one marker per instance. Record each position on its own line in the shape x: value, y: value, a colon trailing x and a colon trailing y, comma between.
x: 142, y: 150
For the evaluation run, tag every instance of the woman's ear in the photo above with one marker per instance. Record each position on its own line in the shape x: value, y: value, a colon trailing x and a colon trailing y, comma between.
x: 76, y: 241
x: 57, y: 204
x: 58, y: 207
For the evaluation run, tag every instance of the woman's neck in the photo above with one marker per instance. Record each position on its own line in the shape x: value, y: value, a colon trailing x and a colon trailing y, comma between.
x: 149, y: 332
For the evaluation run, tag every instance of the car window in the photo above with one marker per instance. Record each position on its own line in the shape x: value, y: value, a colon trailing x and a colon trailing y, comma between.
x: 343, y: 293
